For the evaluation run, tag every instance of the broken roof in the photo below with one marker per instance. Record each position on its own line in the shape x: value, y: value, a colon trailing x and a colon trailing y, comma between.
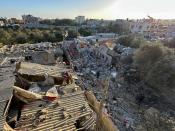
x: 71, y: 108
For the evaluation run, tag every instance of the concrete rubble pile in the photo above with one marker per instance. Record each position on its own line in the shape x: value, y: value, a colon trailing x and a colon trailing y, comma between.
x: 77, y: 85
x: 47, y: 96
x: 123, y: 96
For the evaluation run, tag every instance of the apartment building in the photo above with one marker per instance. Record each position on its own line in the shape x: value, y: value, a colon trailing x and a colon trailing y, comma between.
x: 1, y: 23
x: 80, y: 19
x: 149, y: 28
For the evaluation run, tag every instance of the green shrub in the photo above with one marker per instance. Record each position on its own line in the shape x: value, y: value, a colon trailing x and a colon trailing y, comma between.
x: 162, y: 73
x: 170, y: 43
x: 131, y: 41
x: 20, y: 36
x: 156, y: 64
x: 85, y: 31
x: 147, y: 55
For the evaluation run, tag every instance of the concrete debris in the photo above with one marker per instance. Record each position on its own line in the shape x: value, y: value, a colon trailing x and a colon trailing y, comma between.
x: 49, y: 81
x: 47, y: 97
x: 45, y: 103
x: 34, y: 88
x: 152, y: 118
x: 26, y: 96
x: 124, y: 101
x: 52, y: 97
x: 52, y: 92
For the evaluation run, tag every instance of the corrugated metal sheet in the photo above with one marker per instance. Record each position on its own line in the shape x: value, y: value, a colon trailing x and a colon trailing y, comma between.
x: 74, y: 104
x: 5, y: 92
x: 2, y: 122
x: 6, y: 72
x: 2, y: 107
x: 7, y: 84
x: 5, y: 95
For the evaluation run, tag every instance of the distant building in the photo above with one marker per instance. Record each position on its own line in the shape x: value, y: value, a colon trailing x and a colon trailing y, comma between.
x: 99, y: 37
x: 171, y: 31
x: 2, y: 23
x: 28, y: 19
x: 93, y: 23
x: 31, y: 21
x: 15, y: 21
x: 123, y: 24
x: 80, y: 19
x: 105, y: 23
x: 149, y: 28
x: 106, y: 35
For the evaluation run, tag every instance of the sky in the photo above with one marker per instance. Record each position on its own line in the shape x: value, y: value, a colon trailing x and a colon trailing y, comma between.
x: 106, y: 9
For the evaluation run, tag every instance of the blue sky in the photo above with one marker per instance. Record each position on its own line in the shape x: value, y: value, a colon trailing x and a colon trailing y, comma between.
x: 107, y: 9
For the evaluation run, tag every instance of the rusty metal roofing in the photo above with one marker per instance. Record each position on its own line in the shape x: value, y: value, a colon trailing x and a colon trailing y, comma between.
x: 71, y: 108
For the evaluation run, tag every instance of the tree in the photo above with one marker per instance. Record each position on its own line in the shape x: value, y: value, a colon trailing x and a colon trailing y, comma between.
x: 155, y: 63
x: 21, y: 38
x: 71, y: 35
x: 118, y: 29
x: 170, y: 43
x: 4, y: 36
x: 36, y: 36
x: 64, y: 22
x: 85, y: 32
x: 131, y: 41
x: 162, y: 73
x: 58, y: 36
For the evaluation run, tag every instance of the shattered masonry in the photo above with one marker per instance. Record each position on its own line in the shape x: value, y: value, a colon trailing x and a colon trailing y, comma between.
x: 46, y: 97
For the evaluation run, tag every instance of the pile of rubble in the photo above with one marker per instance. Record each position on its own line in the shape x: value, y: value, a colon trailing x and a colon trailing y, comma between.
x: 52, y: 85
x: 93, y: 76
x: 123, y: 95
x: 46, y: 97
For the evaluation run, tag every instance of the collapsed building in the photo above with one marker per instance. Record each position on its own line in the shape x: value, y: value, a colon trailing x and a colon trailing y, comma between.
x: 49, y: 89
x: 43, y: 95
